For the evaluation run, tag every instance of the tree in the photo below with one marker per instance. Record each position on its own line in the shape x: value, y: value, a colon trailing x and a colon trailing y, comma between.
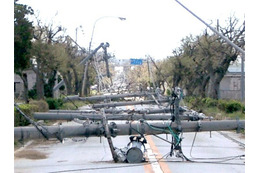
x: 138, y: 76
x: 43, y: 50
x: 201, y: 62
x: 22, y: 42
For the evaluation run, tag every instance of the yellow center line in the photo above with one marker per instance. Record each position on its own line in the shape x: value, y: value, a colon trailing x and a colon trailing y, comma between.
x: 163, y: 165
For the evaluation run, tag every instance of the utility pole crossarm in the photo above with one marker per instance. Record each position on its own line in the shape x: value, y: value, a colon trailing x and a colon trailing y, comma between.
x: 91, y: 54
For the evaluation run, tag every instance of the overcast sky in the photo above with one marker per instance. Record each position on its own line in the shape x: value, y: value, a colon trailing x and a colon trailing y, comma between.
x: 152, y: 27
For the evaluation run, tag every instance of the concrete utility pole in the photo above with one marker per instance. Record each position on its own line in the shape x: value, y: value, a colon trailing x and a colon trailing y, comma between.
x: 123, y: 129
x: 96, y: 116
x: 90, y: 43
x: 107, y: 97
x: 82, y: 62
x: 103, y: 105
x: 116, y: 111
x: 231, y: 44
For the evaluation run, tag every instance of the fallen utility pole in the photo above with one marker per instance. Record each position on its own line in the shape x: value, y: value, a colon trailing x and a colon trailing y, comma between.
x: 116, y: 111
x: 104, y: 97
x: 124, y: 129
x: 91, y: 116
x: 103, y: 105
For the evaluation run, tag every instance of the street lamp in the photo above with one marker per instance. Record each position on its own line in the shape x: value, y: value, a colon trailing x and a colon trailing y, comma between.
x: 120, y: 18
x: 86, y: 65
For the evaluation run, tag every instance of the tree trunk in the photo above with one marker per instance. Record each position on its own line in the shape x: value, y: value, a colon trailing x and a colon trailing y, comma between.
x: 213, y: 87
x: 202, y: 86
x: 25, y: 86
x: 67, y: 79
x: 77, y: 86
x: 39, y: 85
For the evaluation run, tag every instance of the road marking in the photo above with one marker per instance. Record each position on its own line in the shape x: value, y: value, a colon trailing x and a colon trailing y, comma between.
x: 148, y: 168
x: 151, y: 157
x: 154, y: 155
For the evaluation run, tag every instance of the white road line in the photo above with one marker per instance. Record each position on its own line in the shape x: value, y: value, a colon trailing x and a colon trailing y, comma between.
x: 151, y: 156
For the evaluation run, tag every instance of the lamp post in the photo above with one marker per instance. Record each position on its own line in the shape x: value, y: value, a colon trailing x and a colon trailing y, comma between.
x: 120, y: 18
x: 86, y: 65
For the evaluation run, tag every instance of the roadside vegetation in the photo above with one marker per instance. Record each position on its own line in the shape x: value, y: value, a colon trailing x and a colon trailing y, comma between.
x: 43, y: 106
x: 218, y: 109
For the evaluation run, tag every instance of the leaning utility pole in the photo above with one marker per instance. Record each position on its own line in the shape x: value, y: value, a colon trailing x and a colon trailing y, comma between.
x: 230, y: 43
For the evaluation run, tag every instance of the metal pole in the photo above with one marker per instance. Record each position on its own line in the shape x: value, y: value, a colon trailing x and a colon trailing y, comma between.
x: 214, y: 30
x: 92, y: 34
x: 230, y: 43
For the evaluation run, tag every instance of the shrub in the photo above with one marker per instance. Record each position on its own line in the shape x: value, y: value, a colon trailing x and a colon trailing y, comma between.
x: 233, y: 106
x: 209, y: 102
x: 228, y: 106
x: 27, y: 109
x: 71, y: 106
x: 222, y: 105
x: 54, y: 103
x: 41, y: 104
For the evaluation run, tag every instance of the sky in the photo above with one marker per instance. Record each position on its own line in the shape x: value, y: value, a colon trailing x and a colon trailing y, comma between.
x: 152, y: 27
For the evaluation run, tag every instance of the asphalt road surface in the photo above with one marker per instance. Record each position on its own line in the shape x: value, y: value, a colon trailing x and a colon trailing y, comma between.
x: 222, y: 152
x: 215, y: 152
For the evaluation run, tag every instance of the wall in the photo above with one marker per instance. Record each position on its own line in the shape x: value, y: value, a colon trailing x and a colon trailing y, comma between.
x: 230, y: 86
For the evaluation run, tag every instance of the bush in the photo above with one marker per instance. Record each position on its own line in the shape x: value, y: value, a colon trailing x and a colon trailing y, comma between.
x: 54, y: 103
x: 233, y: 106
x: 71, y: 106
x: 209, y: 102
x: 228, y: 106
x: 41, y: 104
x: 28, y: 110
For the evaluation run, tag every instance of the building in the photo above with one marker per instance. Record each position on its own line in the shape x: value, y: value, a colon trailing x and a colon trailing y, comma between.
x: 230, y: 85
x: 18, y: 83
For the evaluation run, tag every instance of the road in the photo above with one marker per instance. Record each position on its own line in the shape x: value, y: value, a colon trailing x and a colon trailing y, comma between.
x: 93, y: 154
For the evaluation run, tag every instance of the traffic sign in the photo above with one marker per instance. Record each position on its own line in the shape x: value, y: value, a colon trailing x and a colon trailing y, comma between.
x: 136, y: 61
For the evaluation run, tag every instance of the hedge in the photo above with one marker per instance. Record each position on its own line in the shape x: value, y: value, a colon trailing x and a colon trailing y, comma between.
x: 228, y: 106
x: 29, y: 109
x: 54, y: 103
